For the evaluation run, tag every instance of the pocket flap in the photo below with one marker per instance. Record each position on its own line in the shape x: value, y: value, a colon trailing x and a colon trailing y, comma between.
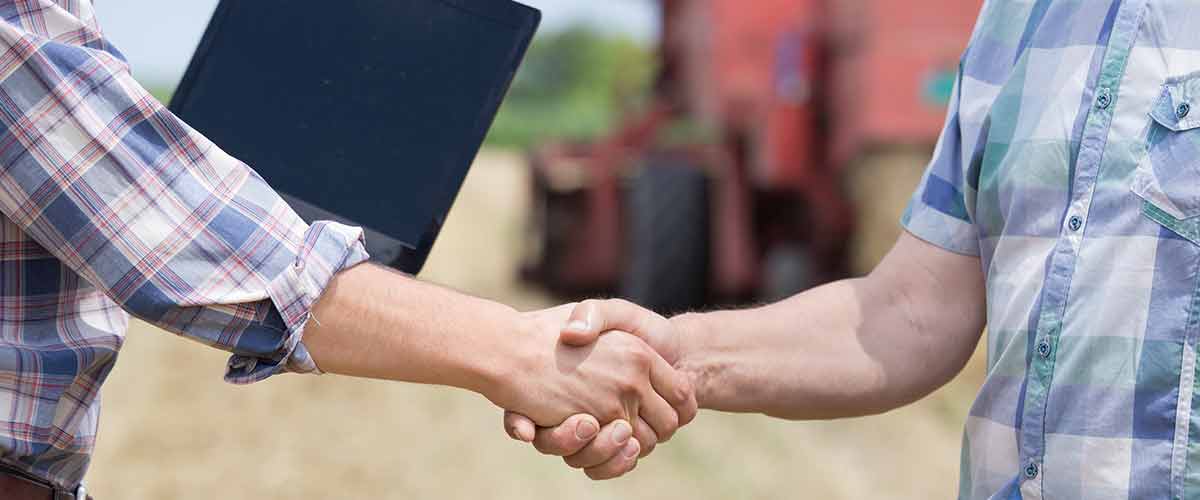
x: 1168, y: 184
x: 1174, y: 109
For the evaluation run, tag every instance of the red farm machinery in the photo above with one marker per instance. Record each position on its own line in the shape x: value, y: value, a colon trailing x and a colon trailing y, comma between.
x: 782, y: 139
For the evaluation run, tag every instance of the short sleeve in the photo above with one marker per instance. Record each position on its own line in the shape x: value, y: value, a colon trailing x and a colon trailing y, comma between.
x: 941, y: 210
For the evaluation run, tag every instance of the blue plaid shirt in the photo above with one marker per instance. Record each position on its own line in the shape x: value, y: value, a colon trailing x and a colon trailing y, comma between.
x: 110, y: 205
x: 1070, y: 164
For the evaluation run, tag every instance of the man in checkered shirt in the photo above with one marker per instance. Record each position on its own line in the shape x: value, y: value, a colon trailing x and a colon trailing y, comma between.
x: 1062, y: 211
x: 110, y: 205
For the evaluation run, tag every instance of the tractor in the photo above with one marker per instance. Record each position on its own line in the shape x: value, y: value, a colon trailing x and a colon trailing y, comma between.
x: 776, y: 152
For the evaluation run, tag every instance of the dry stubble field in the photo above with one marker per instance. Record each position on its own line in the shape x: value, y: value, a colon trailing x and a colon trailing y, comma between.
x: 173, y: 430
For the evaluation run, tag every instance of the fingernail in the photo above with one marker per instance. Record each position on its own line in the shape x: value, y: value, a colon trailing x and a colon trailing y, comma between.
x: 631, y: 449
x: 578, y: 326
x: 622, y: 433
x: 585, y: 430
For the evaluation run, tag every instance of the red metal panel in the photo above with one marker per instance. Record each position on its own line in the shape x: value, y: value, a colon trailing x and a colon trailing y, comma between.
x: 790, y: 149
x: 891, y: 58
x: 744, y: 45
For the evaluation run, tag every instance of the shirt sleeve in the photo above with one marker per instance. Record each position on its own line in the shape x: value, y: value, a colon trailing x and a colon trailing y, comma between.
x: 941, y: 210
x: 174, y: 230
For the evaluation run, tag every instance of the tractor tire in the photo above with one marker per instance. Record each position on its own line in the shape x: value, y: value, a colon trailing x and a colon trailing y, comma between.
x: 667, y: 238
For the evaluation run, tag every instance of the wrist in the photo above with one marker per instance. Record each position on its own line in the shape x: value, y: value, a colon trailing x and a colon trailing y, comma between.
x: 506, y: 363
x: 490, y: 359
x: 694, y: 361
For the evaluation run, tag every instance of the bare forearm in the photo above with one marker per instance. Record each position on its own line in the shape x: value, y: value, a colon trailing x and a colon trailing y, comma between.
x: 816, y: 355
x: 850, y: 348
x: 372, y: 322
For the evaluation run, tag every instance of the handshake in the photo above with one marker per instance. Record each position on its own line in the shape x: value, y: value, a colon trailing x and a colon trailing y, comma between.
x: 594, y: 382
x: 602, y: 382
x: 602, y: 391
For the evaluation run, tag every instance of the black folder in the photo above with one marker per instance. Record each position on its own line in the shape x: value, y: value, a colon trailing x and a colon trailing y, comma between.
x: 368, y: 112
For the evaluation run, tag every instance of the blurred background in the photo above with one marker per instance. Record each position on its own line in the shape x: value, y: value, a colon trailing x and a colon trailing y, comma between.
x: 681, y: 153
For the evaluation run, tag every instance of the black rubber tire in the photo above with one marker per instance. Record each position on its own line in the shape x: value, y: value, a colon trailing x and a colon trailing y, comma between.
x: 667, y: 238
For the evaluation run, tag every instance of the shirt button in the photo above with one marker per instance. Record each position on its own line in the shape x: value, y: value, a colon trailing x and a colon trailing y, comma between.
x: 1043, y: 349
x: 1103, y: 98
x: 1075, y: 223
x: 1031, y: 470
x: 1182, y: 111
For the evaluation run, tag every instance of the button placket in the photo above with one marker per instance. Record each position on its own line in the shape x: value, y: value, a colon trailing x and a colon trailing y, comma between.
x: 1092, y: 145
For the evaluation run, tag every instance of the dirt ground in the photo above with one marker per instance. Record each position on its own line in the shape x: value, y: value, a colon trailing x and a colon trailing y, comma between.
x: 173, y: 430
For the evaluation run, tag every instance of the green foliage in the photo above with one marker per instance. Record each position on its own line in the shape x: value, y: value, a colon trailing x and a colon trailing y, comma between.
x: 574, y: 84
x: 163, y: 94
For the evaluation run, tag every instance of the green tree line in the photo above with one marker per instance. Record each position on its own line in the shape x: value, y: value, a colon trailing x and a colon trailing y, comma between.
x: 574, y: 85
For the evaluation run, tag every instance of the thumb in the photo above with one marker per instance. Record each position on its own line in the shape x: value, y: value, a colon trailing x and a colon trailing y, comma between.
x: 583, y: 327
x: 591, y: 318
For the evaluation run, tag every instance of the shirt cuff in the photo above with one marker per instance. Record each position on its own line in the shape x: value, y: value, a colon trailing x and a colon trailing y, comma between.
x: 328, y: 249
x: 940, y: 229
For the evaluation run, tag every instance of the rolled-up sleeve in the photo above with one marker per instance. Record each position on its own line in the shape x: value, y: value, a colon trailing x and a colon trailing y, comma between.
x: 174, y: 230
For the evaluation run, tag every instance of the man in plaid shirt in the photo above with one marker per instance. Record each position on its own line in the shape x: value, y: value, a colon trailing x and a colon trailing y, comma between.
x: 1062, y: 210
x: 110, y: 205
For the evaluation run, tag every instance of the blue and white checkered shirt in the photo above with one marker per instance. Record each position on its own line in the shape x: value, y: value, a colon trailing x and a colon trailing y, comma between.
x: 1070, y: 163
x: 109, y: 204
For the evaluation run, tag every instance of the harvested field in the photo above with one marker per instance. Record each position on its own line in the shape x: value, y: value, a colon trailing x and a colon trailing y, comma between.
x: 173, y: 430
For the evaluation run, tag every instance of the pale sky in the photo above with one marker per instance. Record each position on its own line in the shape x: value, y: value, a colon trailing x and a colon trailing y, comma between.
x: 158, y: 36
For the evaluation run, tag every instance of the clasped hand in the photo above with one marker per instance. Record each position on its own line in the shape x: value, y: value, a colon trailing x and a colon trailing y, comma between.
x: 599, y: 388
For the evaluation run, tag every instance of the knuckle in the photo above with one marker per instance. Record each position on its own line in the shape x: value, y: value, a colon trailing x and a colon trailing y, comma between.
x: 684, y: 392
x: 613, y: 412
x: 573, y: 462
x: 670, y: 425
x: 551, y: 444
x: 686, y: 416
x: 612, y: 470
x: 628, y: 386
x: 648, y: 447
x: 629, y: 379
x: 558, y: 445
x: 646, y: 433
x: 640, y: 356
x: 672, y: 421
x: 665, y: 435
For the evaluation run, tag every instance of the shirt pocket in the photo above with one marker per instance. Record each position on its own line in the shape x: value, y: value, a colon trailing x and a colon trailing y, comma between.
x: 1167, y: 177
